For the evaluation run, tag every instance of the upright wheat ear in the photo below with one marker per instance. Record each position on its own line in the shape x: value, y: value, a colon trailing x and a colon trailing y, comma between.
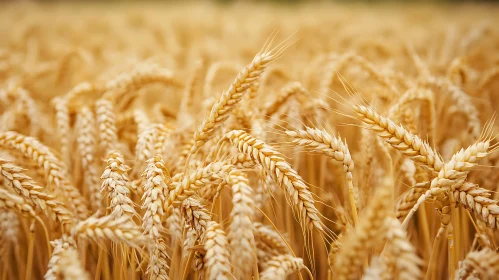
x: 217, y: 256
x: 241, y: 238
x: 115, y: 185
x: 222, y: 109
x: 295, y: 188
x: 87, y: 142
x: 106, y: 122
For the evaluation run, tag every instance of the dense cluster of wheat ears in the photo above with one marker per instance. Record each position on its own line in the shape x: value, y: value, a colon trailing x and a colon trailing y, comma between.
x: 248, y: 142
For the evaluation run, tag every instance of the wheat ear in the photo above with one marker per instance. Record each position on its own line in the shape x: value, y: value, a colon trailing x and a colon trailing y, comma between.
x: 356, y: 245
x: 64, y: 263
x: 476, y: 199
x: 25, y: 186
x: 241, y: 237
x: 15, y: 202
x: 106, y: 122
x: 453, y: 174
x: 222, y: 109
x: 268, y: 243
x: 320, y: 141
x: 63, y: 126
x: 485, y: 262
x: 196, y: 180
x: 279, y: 267
x: 117, y: 229
x: 399, y: 248
x: 401, y: 139
x: 54, y: 170
x: 87, y: 140
x: 294, y: 186
x: 290, y: 90
x: 115, y: 180
x: 217, y: 255
x: 158, y: 267
x: 9, y: 230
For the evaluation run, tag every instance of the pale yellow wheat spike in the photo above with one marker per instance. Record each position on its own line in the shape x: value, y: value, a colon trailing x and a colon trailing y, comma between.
x: 402, y: 252
x: 357, y: 243
x: 155, y: 178
x: 319, y: 141
x: 290, y: 90
x: 190, y: 183
x: 295, y: 188
x: 485, y: 262
x: 279, y: 267
x: 401, y: 139
x: 54, y: 170
x: 116, y: 229
x: 222, y: 109
x: 10, y: 201
x: 87, y: 141
x: 269, y: 243
x: 217, y: 257
x: 64, y: 263
x: 106, y: 122
x: 158, y: 266
x: 25, y: 186
x: 63, y: 127
x: 9, y: 230
x: 241, y: 237
x: 115, y: 185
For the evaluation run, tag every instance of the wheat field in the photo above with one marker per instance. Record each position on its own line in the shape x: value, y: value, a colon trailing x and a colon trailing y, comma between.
x: 249, y: 141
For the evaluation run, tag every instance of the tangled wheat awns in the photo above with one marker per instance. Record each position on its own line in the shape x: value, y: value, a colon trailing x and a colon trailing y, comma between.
x: 197, y: 142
